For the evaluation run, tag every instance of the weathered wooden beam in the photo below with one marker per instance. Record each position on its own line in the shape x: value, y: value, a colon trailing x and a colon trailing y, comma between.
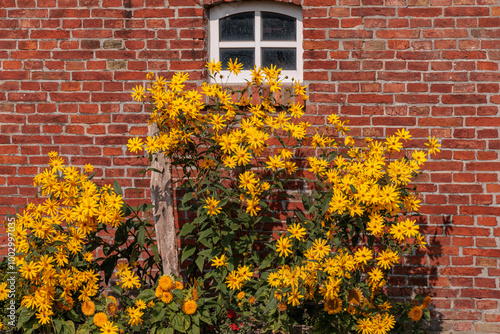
x: 162, y: 199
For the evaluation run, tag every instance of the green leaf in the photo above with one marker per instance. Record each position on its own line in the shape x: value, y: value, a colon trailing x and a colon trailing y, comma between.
x: 25, y: 315
x: 154, y: 249
x: 83, y: 329
x: 141, y: 236
x: 121, y: 235
x: 181, y: 322
x: 165, y: 330
x: 200, y: 261
x: 58, y: 325
x: 108, y: 266
x: 187, y: 252
x: 271, y: 305
x: 117, y: 188
x: 159, y: 317
x: 173, y: 307
x: 51, y: 249
x: 306, y: 201
x: 186, y: 229
x: 146, y: 295
x: 68, y: 327
x: 186, y: 198
x: 73, y: 316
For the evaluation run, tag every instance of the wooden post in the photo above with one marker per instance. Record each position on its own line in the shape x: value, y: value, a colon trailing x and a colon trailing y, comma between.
x: 162, y: 199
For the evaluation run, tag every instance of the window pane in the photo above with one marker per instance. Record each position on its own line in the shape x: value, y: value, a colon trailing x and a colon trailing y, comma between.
x: 278, y: 27
x: 282, y: 58
x: 238, y: 27
x: 245, y: 57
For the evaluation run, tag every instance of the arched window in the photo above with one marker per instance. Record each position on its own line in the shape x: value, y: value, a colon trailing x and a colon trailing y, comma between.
x: 257, y: 33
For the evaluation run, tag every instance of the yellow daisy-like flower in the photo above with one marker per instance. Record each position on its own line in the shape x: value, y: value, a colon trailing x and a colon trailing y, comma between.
x: 135, y: 144
x: 109, y: 328
x: 219, y: 261
x: 138, y: 93
x: 234, y: 67
x: 214, y: 66
x: 283, y: 246
x: 4, y: 292
x: 433, y: 146
x: 211, y: 206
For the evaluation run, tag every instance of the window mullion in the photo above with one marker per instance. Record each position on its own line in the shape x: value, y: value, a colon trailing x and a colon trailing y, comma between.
x: 258, y: 37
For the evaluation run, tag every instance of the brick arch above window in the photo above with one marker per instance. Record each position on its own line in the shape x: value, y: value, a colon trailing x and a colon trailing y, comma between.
x: 218, y: 2
x: 260, y: 33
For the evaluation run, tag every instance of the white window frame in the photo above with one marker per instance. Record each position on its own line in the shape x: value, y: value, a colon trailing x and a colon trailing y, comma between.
x: 218, y: 12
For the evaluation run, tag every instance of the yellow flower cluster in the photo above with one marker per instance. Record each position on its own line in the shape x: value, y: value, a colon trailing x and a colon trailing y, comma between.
x: 128, y: 279
x: 164, y: 292
x: 366, y: 186
x: 50, y: 236
x: 240, y: 129
x: 237, y: 278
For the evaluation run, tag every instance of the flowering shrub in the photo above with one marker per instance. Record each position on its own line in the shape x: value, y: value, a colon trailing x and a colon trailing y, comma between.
x: 244, y: 156
x: 240, y: 154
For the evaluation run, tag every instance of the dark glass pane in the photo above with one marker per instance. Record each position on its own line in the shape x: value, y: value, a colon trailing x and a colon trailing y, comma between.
x: 238, y: 27
x: 278, y: 27
x: 245, y: 57
x: 282, y: 58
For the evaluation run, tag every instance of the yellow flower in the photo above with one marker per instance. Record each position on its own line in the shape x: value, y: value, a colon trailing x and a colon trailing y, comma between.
x: 44, y: 317
x: 135, y: 144
x: 109, y: 328
x: 364, y: 326
x: 234, y: 281
x: 213, y: 66
x: 138, y: 93
x: 140, y: 304
x: 234, y: 67
x: 387, y: 259
x: 433, y: 146
x: 403, y: 134
x: 333, y: 306
x: 167, y: 297
x: 275, y: 162
x: 135, y: 316
x: 354, y: 296
x: 219, y: 261
x: 166, y: 283
x: 100, y: 319
x: 415, y: 313
x: 297, y: 231
x: 211, y: 206
x: 129, y: 280
x: 426, y: 303
x: 283, y: 246
x: 320, y: 248
x: 363, y: 255
x: 189, y: 306
x: 294, y: 297
x: 251, y: 300
x: 241, y: 295
x: 4, y: 292
x: 252, y: 206
x: 179, y: 285
x: 88, y: 308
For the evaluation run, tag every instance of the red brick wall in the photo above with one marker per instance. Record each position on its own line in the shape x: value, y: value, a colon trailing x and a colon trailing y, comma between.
x: 67, y: 67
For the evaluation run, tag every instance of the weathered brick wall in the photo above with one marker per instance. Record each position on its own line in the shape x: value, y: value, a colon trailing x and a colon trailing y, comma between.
x: 67, y: 67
